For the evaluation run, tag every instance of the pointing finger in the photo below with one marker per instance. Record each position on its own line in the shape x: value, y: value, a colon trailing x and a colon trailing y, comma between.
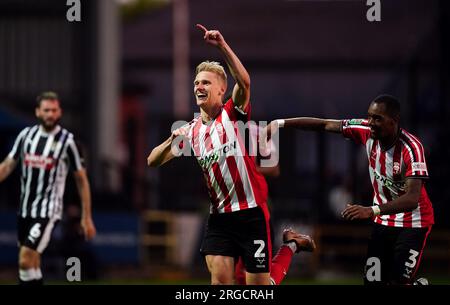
x: 201, y: 27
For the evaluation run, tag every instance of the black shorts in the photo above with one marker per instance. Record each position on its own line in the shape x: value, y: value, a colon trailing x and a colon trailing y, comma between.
x: 35, y: 233
x: 399, y: 251
x: 245, y: 234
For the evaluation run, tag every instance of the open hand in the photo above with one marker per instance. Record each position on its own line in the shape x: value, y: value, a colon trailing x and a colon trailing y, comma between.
x: 355, y: 211
x: 88, y: 227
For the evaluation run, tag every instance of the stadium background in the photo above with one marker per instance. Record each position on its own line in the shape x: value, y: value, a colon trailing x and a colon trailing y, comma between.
x: 124, y: 73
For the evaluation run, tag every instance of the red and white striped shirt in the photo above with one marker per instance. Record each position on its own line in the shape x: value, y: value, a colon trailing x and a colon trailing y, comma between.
x: 389, y: 170
x: 233, y: 182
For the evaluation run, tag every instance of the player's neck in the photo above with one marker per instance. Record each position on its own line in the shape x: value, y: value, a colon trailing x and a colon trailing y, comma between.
x: 389, y: 142
x: 52, y: 130
x: 209, y: 113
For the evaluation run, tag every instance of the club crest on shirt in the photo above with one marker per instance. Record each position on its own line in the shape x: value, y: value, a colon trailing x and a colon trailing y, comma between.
x: 396, y: 168
x: 54, y: 144
x: 219, y: 129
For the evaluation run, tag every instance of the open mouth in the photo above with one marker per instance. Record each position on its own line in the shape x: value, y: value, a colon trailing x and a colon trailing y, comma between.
x: 201, y: 96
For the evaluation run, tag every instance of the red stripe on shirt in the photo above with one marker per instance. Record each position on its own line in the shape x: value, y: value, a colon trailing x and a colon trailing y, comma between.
x: 396, y: 173
x: 232, y: 167
x: 208, y: 140
x: 386, y: 191
x: 221, y: 130
x: 195, y: 137
x: 223, y: 187
x: 417, y: 147
x: 212, y: 192
x: 239, y: 187
x: 372, y: 161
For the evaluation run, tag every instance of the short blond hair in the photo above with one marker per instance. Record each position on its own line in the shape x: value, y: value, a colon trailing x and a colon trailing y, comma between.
x: 214, y: 67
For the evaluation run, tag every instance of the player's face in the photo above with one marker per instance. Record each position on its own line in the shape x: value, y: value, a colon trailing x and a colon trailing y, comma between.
x: 208, y: 88
x: 49, y: 113
x: 381, y: 124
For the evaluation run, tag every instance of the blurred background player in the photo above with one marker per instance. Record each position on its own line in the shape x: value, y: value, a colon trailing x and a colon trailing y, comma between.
x: 45, y: 152
x: 402, y: 212
x: 238, y: 223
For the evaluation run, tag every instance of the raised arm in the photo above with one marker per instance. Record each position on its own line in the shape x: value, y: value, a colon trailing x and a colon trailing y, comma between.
x: 6, y: 168
x: 241, y: 90
x: 405, y: 203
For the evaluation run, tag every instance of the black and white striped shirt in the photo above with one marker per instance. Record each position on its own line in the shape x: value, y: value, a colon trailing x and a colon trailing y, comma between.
x: 44, y: 158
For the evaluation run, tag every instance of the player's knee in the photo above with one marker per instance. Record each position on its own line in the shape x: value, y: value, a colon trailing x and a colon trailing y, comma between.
x: 26, y: 263
x: 216, y: 281
x: 27, y: 259
x: 222, y: 277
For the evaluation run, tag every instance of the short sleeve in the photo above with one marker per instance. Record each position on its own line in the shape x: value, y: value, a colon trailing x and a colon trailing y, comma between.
x: 74, y: 154
x: 235, y: 113
x: 18, y: 145
x: 356, y: 130
x: 414, y: 159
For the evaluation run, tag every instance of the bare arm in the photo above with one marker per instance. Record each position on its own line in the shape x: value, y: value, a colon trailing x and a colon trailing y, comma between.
x: 273, y: 171
x: 304, y: 123
x: 84, y: 191
x: 241, y: 90
x: 161, y: 153
x: 405, y: 203
x: 315, y: 124
x: 6, y: 168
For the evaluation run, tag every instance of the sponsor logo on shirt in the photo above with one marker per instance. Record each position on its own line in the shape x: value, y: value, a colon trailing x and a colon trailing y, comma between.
x: 355, y: 122
x: 226, y: 149
x: 393, y: 186
x: 419, y: 166
x: 396, y: 168
x: 37, y: 161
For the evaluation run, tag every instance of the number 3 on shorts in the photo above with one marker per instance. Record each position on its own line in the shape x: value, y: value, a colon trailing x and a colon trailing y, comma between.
x: 412, y: 258
x: 259, y: 251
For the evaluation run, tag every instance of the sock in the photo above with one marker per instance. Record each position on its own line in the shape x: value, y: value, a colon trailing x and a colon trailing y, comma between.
x: 38, y: 276
x: 292, y: 245
x: 280, y: 263
x: 26, y: 276
x: 239, y: 272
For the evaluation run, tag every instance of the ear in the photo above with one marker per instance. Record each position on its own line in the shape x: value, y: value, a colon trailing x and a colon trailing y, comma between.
x: 397, y: 118
x: 223, y: 88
